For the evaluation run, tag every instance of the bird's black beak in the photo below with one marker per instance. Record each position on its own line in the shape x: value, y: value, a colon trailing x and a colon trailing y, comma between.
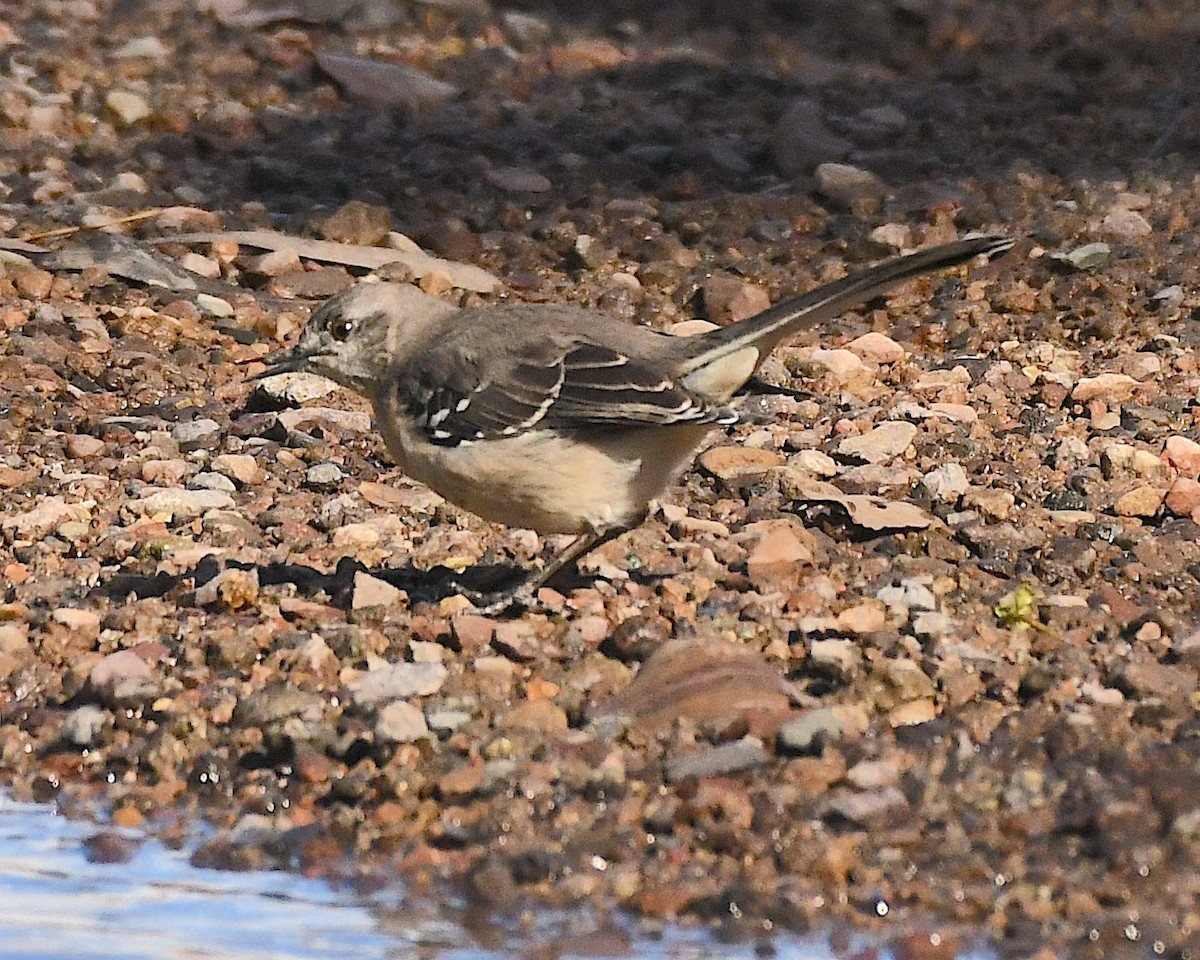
x: 283, y: 361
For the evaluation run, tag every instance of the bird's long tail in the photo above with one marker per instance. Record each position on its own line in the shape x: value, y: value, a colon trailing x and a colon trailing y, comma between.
x: 760, y: 334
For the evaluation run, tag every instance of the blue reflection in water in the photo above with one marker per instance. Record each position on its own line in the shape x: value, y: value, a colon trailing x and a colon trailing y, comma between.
x: 55, y: 905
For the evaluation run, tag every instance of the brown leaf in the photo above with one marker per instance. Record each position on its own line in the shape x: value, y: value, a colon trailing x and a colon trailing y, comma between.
x: 871, y: 513
x: 706, y: 681
x: 20, y: 246
x: 240, y: 13
x: 384, y: 84
x: 462, y: 275
x: 123, y: 258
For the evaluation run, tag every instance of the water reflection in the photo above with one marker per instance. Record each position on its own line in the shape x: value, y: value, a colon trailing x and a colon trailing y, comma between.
x: 56, y: 905
x: 149, y: 903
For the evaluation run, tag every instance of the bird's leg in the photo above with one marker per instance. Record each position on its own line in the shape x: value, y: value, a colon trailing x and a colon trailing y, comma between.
x: 524, y: 595
x: 577, y: 549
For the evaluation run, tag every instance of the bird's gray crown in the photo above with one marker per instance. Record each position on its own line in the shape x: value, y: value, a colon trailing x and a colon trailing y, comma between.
x: 353, y: 337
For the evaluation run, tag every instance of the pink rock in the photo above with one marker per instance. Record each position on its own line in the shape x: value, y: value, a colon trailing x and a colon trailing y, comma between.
x: 843, y: 364
x: 538, y: 716
x: 1142, y: 501
x: 958, y: 412
x: 83, y: 447
x: 1183, y: 455
x: 728, y: 299
x: 473, y: 632
x: 876, y: 348
x: 1106, y: 386
x: 866, y: 617
x: 778, y: 555
x: 78, y: 621
x: 582, y: 55
x: 732, y: 462
x: 240, y: 467
x: 1184, y: 497
x: 274, y: 263
x: 370, y: 591
x: 123, y: 677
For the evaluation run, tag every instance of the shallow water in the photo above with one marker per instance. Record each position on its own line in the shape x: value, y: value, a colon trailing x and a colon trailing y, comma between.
x: 56, y: 905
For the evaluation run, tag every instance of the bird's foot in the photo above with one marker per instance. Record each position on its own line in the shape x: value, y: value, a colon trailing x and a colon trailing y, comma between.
x: 524, y: 595
x: 490, y: 603
x: 523, y: 598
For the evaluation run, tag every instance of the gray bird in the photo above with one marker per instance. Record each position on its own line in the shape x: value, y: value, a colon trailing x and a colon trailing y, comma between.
x: 555, y: 418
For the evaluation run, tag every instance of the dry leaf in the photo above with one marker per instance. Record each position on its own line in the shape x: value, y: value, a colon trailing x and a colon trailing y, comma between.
x: 384, y: 84
x: 383, y: 495
x: 20, y: 246
x: 875, y: 513
x: 870, y: 513
x: 122, y: 258
x: 706, y: 681
x: 462, y: 275
x: 239, y: 13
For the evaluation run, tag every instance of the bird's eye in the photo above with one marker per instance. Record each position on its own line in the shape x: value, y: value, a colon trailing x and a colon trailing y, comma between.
x: 341, y: 329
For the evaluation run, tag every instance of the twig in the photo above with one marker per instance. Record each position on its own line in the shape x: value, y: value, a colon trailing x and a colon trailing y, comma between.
x: 67, y: 231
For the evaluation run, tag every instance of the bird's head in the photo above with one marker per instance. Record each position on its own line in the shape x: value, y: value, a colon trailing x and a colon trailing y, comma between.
x: 354, y: 337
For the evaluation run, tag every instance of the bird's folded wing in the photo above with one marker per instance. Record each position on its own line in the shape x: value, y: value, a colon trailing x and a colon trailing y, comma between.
x: 458, y: 398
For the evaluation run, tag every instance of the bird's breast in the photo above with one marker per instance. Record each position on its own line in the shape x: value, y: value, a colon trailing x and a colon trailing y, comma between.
x: 545, y: 480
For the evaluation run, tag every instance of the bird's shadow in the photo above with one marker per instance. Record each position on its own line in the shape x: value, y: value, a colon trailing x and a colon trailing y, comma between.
x: 422, y: 585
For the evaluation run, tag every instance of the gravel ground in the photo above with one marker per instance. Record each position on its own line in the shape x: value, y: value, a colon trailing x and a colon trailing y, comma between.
x: 913, y: 650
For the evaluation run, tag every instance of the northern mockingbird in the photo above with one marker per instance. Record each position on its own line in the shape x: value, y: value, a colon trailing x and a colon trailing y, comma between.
x: 556, y: 418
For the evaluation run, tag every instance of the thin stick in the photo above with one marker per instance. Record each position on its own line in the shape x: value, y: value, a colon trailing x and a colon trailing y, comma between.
x: 67, y: 231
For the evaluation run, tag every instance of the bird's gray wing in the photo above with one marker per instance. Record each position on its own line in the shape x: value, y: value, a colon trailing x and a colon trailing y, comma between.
x: 457, y: 395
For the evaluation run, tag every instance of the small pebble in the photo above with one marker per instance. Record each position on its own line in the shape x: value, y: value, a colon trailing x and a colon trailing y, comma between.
x: 1141, y: 501
x: 323, y: 477
x: 518, y: 180
x: 1085, y: 257
x: 839, y: 656
x: 845, y: 183
x: 370, y: 591
x: 880, y: 444
x: 720, y: 761
x: 946, y: 483
x: 876, y: 348
x: 396, y: 681
x: 728, y: 299
x: 83, y: 447
x: 815, y: 462
x: 1106, y: 386
x: 810, y: 732
x: 180, y: 504
x: 898, y: 236
x: 200, y: 434
x: 240, y: 467
x: 83, y: 725
x: 731, y: 463
x: 211, y: 481
x: 843, y: 364
x: 357, y: 222
x: 1126, y: 224
x: 400, y: 722
x: 128, y: 107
